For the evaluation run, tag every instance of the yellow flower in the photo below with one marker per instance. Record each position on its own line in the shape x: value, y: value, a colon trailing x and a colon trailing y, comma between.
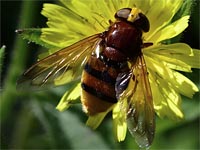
x: 78, y: 19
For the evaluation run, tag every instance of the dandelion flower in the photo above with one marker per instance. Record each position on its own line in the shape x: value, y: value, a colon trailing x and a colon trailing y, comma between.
x: 75, y: 20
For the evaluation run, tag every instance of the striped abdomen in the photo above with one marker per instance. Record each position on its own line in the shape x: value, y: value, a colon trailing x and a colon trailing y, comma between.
x: 98, y: 81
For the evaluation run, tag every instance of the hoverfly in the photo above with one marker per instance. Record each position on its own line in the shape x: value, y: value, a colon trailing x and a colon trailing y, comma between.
x: 111, y: 61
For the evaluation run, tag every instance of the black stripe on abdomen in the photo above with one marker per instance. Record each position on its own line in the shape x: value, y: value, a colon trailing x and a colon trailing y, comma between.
x: 101, y: 75
x: 98, y: 94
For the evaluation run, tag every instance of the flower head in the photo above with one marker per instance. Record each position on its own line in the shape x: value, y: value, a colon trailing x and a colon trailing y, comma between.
x: 78, y: 19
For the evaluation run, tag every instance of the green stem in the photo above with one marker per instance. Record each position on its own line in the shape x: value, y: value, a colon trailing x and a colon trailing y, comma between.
x: 9, y: 94
x: 2, y: 55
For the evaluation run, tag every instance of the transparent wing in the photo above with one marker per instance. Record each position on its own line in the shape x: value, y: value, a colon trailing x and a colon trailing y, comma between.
x: 137, y: 101
x: 61, y: 67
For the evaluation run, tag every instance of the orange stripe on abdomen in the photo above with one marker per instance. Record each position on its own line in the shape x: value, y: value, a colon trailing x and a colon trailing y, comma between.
x: 98, y: 85
x: 98, y: 88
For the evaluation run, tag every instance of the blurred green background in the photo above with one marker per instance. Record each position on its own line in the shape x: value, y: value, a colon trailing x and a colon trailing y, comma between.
x: 29, y: 119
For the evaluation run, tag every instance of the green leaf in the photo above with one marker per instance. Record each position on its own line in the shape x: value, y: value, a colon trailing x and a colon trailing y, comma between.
x: 75, y: 130
x: 33, y: 35
x: 2, y: 53
x: 66, y: 130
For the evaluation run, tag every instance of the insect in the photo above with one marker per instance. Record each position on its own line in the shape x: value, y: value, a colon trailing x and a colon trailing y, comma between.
x: 113, y: 69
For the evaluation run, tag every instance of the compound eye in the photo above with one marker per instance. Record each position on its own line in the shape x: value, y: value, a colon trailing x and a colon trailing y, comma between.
x: 142, y: 22
x: 123, y: 13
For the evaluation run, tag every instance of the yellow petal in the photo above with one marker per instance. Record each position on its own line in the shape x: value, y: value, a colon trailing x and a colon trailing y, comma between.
x: 194, y: 61
x: 176, y: 56
x: 57, y: 37
x: 95, y: 120
x: 180, y: 48
x: 78, y: 6
x: 171, y: 30
x: 65, y: 78
x: 70, y: 97
x: 64, y: 26
x: 183, y: 85
x: 177, y: 81
x: 119, y: 122
x: 173, y: 63
x: 166, y: 99
x: 95, y: 16
x: 160, y: 13
x: 166, y: 84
